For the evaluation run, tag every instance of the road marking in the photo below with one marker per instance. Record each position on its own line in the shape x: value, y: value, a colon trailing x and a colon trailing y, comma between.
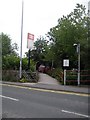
x: 46, y: 90
x: 75, y: 113
x: 9, y: 98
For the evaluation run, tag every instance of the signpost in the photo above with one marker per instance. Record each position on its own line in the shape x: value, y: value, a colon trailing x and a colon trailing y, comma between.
x: 30, y: 42
x: 65, y: 64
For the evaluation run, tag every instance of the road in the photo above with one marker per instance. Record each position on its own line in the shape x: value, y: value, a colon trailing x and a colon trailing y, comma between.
x: 20, y: 102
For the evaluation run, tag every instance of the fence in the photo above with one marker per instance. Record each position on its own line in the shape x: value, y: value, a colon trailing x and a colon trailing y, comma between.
x: 71, y: 77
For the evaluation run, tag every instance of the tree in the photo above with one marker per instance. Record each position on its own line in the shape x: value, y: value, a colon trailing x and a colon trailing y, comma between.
x: 71, y: 29
x: 40, y: 49
x: 10, y: 60
x: 7, y: 47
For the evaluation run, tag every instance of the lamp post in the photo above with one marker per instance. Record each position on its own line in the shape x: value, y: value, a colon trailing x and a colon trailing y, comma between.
x: 21, y: 41
x: 89, y: 9
x: 78, y: 51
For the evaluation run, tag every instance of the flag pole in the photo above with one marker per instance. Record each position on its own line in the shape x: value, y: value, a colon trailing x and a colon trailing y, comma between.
x: 21, y: 42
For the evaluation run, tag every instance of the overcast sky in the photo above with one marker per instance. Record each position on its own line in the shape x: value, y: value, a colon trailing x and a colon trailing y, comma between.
x: 39, y: 17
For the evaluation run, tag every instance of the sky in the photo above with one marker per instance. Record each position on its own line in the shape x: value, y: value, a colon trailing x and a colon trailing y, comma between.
x: 38, y: 17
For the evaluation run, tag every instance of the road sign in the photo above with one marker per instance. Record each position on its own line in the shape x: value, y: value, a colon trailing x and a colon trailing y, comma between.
x: 66, y: 63
x: 30, y: 40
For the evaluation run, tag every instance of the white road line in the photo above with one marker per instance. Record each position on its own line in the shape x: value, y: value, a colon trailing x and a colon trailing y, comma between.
x: 9, y: 98
x: 75, y: 113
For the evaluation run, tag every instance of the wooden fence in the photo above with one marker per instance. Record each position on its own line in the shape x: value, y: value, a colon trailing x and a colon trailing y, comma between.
x: 72, y: 75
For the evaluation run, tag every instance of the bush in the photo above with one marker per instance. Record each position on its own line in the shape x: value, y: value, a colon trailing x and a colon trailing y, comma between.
x: 10, y: 62
x: 13, y: 76
x: 23, y: 80
x: 10, y: 75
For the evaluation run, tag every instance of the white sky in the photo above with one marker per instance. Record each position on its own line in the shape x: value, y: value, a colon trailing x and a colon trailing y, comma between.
x: 39, y: 17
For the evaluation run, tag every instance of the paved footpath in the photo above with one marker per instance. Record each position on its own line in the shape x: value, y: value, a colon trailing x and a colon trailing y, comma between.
x: 46, y: 79
x: 47, y: 82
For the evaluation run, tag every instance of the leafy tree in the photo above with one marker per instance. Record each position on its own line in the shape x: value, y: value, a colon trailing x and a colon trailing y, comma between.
x: 71, y: 29
x: 40, y: 49
x: 7, y: 47
x: 10, y: 62
x: 9, y: 56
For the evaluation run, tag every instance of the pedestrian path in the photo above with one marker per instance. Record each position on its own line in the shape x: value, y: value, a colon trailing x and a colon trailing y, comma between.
x: 46, y: 79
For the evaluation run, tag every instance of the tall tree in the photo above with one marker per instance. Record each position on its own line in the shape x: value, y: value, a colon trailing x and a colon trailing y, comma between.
x: 10, y: 60
x: 40, y: 49
x: 70, y: 29
x: 7, y: 47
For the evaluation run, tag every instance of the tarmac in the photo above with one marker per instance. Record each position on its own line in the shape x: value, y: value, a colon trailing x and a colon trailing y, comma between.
x: 49, y: 83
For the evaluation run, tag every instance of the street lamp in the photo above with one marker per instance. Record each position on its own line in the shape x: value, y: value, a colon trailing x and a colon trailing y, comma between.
x: 78, y: 51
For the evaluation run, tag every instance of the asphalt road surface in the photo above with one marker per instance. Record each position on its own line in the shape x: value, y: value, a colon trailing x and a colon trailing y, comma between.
x: 19, y: 102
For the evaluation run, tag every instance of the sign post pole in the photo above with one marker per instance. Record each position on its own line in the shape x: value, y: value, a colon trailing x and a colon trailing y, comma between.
x: 65, y: 64
x: 64, y: 76
x: 30, y: 42
x: 29, y: 59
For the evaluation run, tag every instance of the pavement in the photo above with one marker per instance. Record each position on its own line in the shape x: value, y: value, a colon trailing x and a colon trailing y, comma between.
x: 47, y: 82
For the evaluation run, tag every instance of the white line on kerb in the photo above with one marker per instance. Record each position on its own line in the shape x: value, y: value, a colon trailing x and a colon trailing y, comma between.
x: 9, y: 98
x: 75, y: 113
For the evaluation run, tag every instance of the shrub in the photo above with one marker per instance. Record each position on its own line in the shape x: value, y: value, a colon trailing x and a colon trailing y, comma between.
x: 23, y: 80
x: 10, y: 75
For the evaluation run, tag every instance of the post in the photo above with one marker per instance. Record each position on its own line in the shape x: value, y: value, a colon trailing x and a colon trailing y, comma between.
x: 64, y: 76
x: 29, y: 59
x: 89, y: 9
x: 21, y: 43
x: 78, y: 64
x: 52, y: 63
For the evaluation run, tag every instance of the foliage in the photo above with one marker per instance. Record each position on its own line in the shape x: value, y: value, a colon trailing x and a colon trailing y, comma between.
x: 23, y: 80
x: 40, y: 49
x: 71, y: 29
x: 10, y: 62
x: 7, y: 47
x: 10, y: 75
x: 10, y: 59
x: 32, y: 65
